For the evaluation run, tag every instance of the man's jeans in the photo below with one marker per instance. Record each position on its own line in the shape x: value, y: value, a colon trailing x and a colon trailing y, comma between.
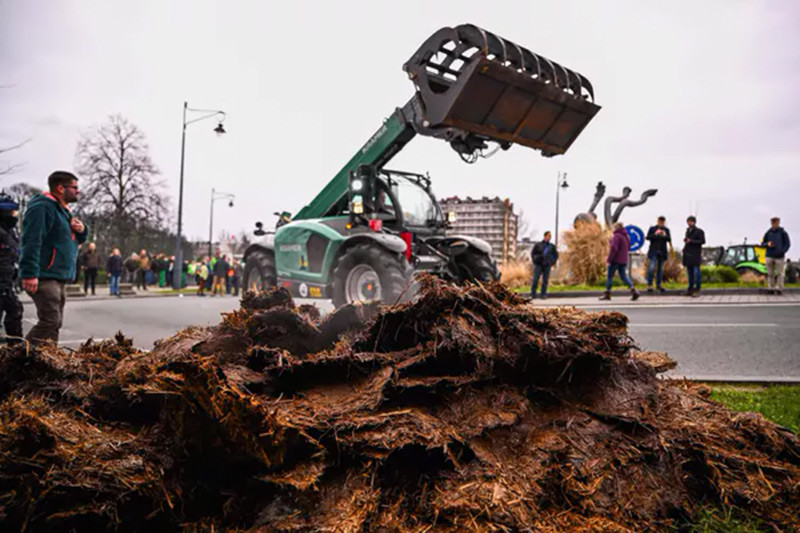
x: 113, y: 284
x: 49, y: 300
x: 612, y: 268
x: 693, y: 273
x: 542, y: 272
x: 775, y: 268
x: 657, y: 265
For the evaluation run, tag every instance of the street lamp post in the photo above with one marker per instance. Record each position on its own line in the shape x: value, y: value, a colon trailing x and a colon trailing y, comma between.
x: 219, y: 130
x: 216, y: 195
x: 561, y: 183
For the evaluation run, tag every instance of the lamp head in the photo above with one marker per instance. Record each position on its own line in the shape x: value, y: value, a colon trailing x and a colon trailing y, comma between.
x: 230, y: 203
x: 219, y: 130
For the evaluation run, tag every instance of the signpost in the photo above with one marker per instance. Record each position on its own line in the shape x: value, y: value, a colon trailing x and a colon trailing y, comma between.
x: 636, y: 237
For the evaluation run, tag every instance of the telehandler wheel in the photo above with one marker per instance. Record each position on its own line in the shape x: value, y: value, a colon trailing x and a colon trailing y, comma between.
x: 259, y: 271
x: 367, y: 273
x: 476, y: 266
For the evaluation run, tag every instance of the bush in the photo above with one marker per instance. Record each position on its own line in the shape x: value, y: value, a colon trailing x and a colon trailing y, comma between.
x: 719, y: 274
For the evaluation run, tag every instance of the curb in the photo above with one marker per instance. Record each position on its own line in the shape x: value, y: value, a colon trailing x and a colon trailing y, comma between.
x: 751, y: 380
x: 27, y: 300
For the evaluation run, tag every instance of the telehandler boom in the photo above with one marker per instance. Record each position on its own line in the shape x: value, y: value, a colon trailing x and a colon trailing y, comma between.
x: 368, y: 229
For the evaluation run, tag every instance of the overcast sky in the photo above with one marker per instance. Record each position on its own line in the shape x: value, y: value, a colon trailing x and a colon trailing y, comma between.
x: 700, y: 100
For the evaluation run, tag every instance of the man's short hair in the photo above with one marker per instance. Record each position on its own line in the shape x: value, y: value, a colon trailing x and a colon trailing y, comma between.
x: 546, y: 233
x: 662, y: 218
x: 60, y: 177
x: 775, y: 219
x: 692, y: 218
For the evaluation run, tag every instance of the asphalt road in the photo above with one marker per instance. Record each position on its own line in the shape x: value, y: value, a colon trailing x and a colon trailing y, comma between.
x: 753, y: 341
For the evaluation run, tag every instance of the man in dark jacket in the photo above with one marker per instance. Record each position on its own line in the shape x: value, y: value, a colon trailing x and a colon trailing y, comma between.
x: 114, y: 271
x: 617, y: 261
x: 544, y: 255
x: 693, y: 254
x: 50, y: 238
x: 220, y: 272
x: 776, y: 240
x: 91, y: 263
x: 9, y: 254
x: 657, y: 255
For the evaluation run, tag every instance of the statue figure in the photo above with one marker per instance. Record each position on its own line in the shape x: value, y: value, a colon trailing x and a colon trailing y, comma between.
x: 623, y: 201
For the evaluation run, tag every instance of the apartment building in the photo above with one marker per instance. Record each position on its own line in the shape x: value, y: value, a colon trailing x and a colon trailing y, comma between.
x: 490, y: 219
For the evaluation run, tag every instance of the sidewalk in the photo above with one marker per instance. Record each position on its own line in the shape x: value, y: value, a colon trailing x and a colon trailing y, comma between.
x: 623, y: 299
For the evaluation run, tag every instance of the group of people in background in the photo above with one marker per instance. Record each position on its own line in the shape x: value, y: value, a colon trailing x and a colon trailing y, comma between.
x: 219, y: 274
x: 776, y: 242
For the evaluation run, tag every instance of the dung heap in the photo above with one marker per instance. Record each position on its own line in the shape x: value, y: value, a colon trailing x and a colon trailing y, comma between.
x: 467, y: 409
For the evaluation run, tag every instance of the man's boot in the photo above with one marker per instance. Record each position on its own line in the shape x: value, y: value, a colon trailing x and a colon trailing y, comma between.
x: 634, y: 294
x: 649, y: 290
x: 689, y: 292
x: 606, y: 295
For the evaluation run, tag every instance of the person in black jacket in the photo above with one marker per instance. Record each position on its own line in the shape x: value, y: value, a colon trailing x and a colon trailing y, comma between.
x: 9, y: 255
x: 114, y: 270
x: 659, y: 237
x: 693, y: 254
x: 544, y: 255
x: 776, y: 240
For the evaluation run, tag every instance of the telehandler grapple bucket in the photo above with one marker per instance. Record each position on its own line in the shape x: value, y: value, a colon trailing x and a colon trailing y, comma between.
x: 477, y: 82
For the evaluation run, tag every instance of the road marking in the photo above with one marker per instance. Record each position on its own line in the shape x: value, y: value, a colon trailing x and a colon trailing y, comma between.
x: 704, y: 325
x: 73, y: 341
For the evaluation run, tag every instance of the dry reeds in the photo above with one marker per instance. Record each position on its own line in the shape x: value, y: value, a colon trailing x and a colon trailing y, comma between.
x: 516, y: 273
x: 584, y: 256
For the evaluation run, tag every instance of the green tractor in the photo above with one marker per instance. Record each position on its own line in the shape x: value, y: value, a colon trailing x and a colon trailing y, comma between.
x: 744, y: 258
x: 370, y: 229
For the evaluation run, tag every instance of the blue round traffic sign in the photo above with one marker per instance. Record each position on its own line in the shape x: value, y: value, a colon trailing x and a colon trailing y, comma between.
x: 636, y: 236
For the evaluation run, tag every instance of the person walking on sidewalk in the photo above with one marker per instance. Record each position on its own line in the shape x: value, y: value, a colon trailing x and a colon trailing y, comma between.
x: 693, y: 255
x: 544, y: 255
x: 49, y: 247
x: 10, y: 306
x: 114, y: 271
x: 776, y: 240
x: 617, y: 261
x: 91, y: 263
x: 657, y: 254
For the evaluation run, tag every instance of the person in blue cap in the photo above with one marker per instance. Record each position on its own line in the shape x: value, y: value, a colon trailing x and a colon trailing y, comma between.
x: 10, y: 306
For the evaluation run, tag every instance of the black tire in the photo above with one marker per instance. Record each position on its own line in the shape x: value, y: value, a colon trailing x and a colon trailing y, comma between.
x: 260, y: 265
x: 476, y: 266
x: 393, y: 271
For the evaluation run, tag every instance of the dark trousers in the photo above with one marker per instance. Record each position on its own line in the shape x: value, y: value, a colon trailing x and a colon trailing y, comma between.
x: 657, y: 266
x: 49, y: 300
x: 12, y: 307
x: 543, y: 272
x: 89, y: 278
x: 616, y: 268
x: 693, y: 273
x: 235, y: 284
x: 141, y: 279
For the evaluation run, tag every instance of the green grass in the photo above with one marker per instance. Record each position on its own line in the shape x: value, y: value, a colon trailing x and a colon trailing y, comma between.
x: 713, y: 520
x: 779, y: 403
x: 670, y: 285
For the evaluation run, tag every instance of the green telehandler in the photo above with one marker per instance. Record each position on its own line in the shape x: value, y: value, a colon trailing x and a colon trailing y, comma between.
x: 370, y: 229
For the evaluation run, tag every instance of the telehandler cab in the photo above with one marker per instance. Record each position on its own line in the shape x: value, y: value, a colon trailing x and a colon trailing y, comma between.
x: 369, y: 229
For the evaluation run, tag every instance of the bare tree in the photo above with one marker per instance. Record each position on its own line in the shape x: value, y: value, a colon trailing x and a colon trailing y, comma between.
x: 9, y: 168
x: 120, y: 180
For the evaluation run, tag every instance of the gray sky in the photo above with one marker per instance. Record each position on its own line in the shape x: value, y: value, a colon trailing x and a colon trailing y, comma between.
x: 699, y: 100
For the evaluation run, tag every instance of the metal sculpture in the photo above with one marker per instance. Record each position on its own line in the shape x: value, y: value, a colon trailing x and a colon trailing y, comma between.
x: 612, y: 215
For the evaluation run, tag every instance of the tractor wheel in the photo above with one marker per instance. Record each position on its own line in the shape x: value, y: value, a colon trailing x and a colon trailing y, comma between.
x: 259, y: 271
x: 367, y: 273
x: 476, y: 267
